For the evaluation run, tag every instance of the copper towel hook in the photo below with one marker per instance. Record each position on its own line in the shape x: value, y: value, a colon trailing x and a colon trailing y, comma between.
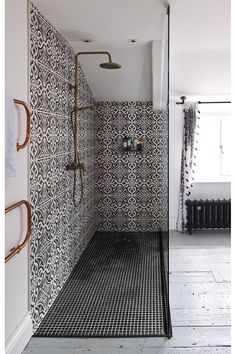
x: 18, y: 248
x: 27, y: 111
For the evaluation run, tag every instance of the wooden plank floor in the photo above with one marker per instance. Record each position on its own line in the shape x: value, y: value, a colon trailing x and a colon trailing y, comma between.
x: 200, y: 305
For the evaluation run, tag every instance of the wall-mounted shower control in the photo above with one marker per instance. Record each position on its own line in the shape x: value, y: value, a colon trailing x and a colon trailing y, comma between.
x: 74, y: 166
x: 131, y: 143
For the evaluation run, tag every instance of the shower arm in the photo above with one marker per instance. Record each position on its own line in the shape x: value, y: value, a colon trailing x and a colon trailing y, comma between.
x: 76, y: 68
x: 92, y: 53
x: 76, y: 109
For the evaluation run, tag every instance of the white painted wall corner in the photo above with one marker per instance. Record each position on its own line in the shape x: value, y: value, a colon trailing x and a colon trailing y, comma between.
x: 21, y: 336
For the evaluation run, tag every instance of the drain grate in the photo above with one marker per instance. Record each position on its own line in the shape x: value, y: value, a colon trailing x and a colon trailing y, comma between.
x: 114, y: 290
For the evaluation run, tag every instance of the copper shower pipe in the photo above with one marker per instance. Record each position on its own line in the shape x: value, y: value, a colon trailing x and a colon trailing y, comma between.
x: 27, y: 111
x: 18, y: 248
x: 96, y: 52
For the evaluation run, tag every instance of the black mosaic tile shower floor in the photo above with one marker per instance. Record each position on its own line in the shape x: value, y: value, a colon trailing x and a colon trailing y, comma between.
x: 114, y: 290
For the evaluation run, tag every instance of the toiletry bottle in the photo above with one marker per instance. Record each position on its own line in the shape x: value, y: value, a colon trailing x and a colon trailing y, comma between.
x: 129, y: 142
x: 139, y: 145
x: 125, y: 143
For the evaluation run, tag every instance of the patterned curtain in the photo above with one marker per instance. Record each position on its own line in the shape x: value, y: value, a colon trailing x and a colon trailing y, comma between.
x: 188, y: 159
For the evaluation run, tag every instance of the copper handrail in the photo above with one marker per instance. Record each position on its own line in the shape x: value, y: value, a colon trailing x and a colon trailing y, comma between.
x: 27, y: 111
x: 17, y: 249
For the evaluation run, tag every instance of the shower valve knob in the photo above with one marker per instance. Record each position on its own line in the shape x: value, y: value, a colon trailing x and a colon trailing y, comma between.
x: 74, y: 166
x: 82, y: 167
x: 71, y: 87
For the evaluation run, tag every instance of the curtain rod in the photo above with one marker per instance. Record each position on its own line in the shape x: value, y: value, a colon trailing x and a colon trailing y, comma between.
x: 183, y: 98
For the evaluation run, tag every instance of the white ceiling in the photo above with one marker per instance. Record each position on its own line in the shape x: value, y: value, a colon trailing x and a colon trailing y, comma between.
x: 105, y: 21
x: 200, y: 37
x: 200, y: 47
x: 110, y: 24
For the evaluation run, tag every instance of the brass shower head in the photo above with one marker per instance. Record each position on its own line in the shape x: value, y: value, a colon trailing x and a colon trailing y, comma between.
x: 108, y: 65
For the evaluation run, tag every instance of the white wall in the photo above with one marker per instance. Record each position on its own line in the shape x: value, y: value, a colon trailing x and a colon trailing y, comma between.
x: 18, y: 326
x: 199, y: 65
x: 200, y: 47
x: 132, y: 82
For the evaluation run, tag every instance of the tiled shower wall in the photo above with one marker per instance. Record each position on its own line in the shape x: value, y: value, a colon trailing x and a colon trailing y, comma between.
x: 132, y: 187
x: 60, y: 232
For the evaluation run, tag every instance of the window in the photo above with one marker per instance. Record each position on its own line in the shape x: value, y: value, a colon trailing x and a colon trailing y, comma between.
x: 225, y: 130
x: 213, y: 162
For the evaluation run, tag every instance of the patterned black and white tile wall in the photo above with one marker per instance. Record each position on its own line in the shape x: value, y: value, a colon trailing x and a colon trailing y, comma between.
x: 60, y: 232
x: 132, y: 187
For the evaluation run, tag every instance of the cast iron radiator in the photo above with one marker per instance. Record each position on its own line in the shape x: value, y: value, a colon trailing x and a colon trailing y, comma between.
x: 208, y: 214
